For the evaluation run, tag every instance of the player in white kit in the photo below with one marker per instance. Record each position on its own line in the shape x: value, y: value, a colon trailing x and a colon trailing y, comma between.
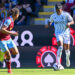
x: 62, y: 21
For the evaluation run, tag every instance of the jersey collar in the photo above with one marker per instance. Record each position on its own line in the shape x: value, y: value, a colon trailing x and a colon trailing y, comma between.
x: 12, y: 18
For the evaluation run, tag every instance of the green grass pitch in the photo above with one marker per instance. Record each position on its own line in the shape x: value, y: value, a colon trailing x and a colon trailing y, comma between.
x: 38, y: 72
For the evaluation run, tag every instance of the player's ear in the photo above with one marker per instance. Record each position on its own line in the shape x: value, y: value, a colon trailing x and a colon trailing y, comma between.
x: 17, y: 15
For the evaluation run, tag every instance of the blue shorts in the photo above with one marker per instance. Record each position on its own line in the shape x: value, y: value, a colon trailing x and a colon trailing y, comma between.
x: 6, y: 45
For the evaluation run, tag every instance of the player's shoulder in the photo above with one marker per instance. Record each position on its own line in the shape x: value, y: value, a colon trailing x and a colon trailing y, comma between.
x: 53, y: 15
x: 8, y: 19
x: 66, y: 13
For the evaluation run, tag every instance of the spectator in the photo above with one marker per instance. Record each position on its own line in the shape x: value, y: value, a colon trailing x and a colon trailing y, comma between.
x: 69, y: 4
x: 3, y: 1
x: 14, y: 3
x: 38, y: 1
x: 8, y: 5
x: 3, y: 11
x: 43, y: 2
x: 38, y: 5
x: 22, y: 16
x: 27, y: 7
x: 63, y: 5
x: 32, y: 8
x: 34, y: 5
x: 74, y: 14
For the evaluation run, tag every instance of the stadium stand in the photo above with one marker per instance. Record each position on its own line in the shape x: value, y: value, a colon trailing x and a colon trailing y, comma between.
x: 47, y: 11
x: 41, y: 10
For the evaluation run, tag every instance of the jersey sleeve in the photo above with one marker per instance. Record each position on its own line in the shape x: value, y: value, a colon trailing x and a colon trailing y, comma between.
x: 69, y: 17
x: 7, y: 22
x: 51, y: 19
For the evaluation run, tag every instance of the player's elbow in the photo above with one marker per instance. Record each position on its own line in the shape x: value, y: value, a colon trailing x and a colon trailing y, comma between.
x: 1, y: 30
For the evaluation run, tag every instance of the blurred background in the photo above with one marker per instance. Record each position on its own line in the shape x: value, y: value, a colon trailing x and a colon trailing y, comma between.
x: 37, y: 45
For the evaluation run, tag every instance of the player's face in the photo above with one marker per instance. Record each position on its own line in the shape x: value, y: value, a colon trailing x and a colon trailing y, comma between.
x: 16, y: 17
x: 59, y: 11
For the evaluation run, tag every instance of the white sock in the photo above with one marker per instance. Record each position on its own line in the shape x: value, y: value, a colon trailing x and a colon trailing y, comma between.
x: 58, y: 60
x: 67, y: 52
x: 59, y: 53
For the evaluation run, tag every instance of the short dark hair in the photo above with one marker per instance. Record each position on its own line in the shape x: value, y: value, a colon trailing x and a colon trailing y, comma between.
x: 58, y: 6
x: 14, y: 11
x: 63, y: 2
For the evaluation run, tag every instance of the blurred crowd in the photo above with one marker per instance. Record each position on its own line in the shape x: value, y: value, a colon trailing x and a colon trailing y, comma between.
x: 28, y: 9
x: 69, y: 6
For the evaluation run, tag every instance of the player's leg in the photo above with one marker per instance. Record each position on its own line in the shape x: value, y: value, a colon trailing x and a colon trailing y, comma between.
x: 67, y: 52
x: 67, y: 49
x: 14, y: 50
x: 8, y: 60
x: 7, y: 57
x: 60, y: 48
x: 12, y: 47
x: 59, y: 52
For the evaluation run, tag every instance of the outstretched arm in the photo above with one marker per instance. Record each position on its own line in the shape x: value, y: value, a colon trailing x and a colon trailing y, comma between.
x: 5, y: 31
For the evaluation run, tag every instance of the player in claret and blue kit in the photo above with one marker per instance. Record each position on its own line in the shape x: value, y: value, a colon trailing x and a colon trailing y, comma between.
x: 7, y: 45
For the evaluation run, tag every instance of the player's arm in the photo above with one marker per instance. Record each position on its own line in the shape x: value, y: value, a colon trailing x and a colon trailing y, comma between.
x: 4, y: 29
x: 48, y: 22
x: 70, y: 20
x: 70, y: 23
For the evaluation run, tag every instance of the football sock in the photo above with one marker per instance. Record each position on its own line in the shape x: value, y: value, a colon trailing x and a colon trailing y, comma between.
x: 67, y: 52
x: 8, y: 64
x: 59, y: 53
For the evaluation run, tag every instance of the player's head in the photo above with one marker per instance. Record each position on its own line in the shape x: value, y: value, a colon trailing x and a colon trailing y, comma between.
x: 15, y: 13
x: 58, y: 8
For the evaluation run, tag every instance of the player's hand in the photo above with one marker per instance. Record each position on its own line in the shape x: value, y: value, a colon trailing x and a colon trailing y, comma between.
x: 46, y: 26
x: 68, y: 25
x: 15, y: 33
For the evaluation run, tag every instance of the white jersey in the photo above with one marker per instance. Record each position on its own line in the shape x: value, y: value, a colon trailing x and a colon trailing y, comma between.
x: 60, y: 22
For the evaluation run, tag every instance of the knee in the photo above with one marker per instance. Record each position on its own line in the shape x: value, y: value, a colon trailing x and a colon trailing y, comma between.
x: 15, y: 53
x: 7, y: 56
x: 60, y: 48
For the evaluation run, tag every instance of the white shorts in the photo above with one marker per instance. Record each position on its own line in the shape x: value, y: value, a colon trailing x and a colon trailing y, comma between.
x: 65, y: 38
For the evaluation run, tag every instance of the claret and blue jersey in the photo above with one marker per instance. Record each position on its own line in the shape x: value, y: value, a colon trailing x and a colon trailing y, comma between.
x: 9, y: 23
x: 5, y: 39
